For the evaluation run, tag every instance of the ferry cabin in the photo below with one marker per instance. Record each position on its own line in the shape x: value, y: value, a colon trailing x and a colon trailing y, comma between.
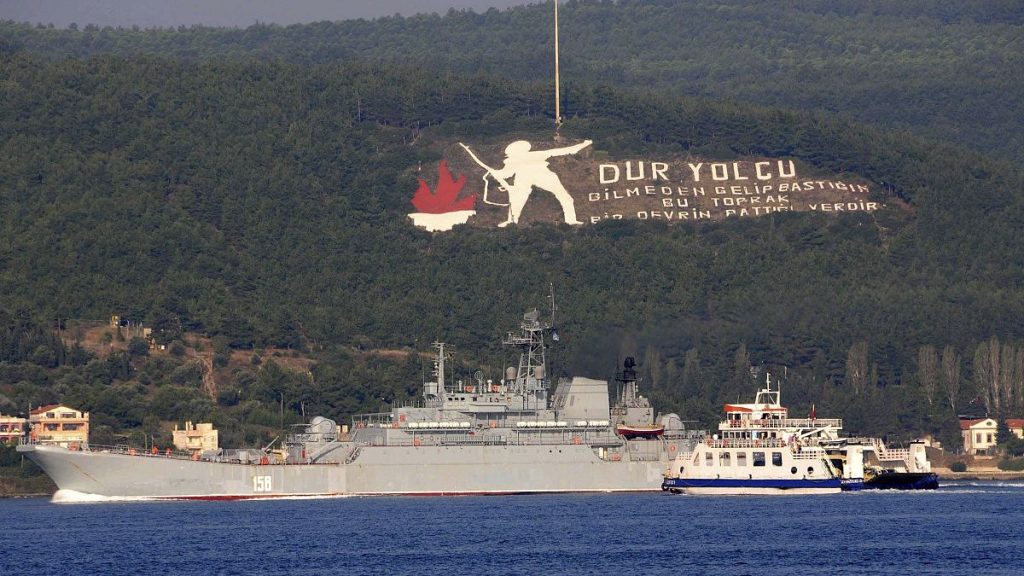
x: 769, y: 463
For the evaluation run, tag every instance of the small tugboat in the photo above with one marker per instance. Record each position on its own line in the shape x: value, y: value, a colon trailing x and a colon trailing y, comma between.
x: 759, y: 450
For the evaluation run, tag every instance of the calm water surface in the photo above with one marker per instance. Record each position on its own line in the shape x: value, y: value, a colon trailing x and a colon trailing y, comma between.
x: 968, y: 528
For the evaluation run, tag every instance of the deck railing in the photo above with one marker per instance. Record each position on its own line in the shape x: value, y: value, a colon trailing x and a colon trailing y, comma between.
x: 782, y: 423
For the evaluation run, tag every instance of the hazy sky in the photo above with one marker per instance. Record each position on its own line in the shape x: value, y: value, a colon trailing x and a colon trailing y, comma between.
x: 242, y: 13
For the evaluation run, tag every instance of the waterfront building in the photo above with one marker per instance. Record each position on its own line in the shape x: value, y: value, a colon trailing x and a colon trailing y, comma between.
x: 12, y: 428
x: 59, y: 424
x: 196, y: 438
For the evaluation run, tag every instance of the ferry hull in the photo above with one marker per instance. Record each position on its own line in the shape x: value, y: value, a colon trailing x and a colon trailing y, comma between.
x: 903, y: 481
x: 384, y: 470
x: 737, y: 486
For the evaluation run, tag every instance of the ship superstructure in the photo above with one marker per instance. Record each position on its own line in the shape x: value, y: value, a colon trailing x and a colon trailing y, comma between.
x: 512, y: 435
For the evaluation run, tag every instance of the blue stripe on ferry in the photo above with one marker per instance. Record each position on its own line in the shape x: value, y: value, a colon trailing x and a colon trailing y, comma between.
x: 751, y: 483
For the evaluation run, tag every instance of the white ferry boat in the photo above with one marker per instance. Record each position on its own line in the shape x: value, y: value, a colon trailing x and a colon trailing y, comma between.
x: 759, y: 450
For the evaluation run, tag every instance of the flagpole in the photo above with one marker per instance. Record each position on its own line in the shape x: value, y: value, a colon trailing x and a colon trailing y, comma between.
x: 558, y: 103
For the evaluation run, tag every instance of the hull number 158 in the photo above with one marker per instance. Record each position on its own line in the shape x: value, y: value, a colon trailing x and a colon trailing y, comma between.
x: 261, y: 484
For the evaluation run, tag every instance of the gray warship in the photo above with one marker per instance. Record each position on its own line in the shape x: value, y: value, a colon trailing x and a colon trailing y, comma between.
x: 510, y: 436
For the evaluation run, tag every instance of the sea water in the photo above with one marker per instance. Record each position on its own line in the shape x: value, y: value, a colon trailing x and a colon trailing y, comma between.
x: 962, y: 528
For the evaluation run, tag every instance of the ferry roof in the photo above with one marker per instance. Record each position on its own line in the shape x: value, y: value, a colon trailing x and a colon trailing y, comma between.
x: 753, y: 408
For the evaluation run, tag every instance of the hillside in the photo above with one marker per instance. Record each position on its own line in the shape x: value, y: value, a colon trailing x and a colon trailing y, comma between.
x: 265, y: 205
x: 950, y: 70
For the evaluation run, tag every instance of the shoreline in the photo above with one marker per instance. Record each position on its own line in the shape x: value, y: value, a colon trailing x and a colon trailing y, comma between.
x: 993, y: 474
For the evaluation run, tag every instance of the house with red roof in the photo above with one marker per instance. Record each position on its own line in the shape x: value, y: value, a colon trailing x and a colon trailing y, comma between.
x: 1016, y: 425
x: 979, y: 435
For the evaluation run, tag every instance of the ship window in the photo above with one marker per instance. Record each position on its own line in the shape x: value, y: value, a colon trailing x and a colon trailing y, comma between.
x: 741, y: 459
x: 709, y: 459
x: 758, y: 458
x: 776, y: 458
x: 792, y: 470
x: 724, y: 459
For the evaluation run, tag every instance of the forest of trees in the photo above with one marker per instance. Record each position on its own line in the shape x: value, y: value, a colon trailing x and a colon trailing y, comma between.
x: 952, y: 70
x: 261, y: 202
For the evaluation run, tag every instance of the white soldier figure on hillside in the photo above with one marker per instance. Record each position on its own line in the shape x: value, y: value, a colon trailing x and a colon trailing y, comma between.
x: 525, y: 169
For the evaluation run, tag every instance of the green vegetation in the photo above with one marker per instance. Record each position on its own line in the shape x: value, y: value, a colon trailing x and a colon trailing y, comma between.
x: 233, y: 204
x: 20, y: 475
x: 948, y: 69
x: 1014, y: 447
x: 1011, y: 464
x: 958, y: 467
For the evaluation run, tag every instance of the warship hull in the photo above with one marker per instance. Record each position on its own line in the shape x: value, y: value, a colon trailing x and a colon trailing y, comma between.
x: 385, y: 470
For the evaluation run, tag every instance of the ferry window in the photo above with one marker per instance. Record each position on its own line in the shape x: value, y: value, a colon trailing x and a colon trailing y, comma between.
x: 709, y: 459
x: 741, y: 459
x: 758, y: 458
x: 777, y: 458
x: 724, y: 459
x: 792, y: 470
